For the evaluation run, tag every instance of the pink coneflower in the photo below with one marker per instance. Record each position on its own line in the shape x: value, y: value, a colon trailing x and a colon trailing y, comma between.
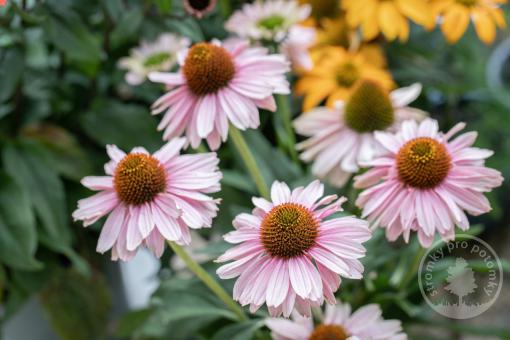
x: 289, y: 255
x: 150, y: 198
x: 217, y: 84
x: 339, y: 324
x: 424, y: 182
x: 342, y: 138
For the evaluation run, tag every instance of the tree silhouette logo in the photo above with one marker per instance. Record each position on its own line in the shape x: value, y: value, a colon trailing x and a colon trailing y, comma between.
x: 460, y: 279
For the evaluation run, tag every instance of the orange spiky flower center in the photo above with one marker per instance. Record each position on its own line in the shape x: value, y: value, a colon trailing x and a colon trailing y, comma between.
x: 138, y: 178
x: 208, y: 68
x: 423, y: 163
x: 329, y: 332
x: 288, y: 230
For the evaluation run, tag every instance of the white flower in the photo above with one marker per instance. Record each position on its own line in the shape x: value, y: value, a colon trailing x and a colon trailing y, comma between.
x: 159, y: 55
x: 268, y: 20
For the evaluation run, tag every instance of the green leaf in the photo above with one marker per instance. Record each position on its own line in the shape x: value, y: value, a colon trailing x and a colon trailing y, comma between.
x: 187, y: 28
x: 127, y: 27
x: 273, y: 164
x: 31, y: 166
x: 125, y: 125
x: 72, y: 37
x: 77, y: 306
x: 131, y: 321
x: 69, y: 158
x: 241, y: 331
x: 18, y: 235
x: 11, y: 70
x: 164, y: 6
x: 184, y: 305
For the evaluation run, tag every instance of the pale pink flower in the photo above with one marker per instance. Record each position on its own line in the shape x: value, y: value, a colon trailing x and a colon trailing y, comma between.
x: 218, y: 84
x: 289, y: 255
x: 296, y: 46
x: 150, y: 56
x: 151, y: 198
x: 424, y: 182
x: 343, y: 137
x: 338, y: 323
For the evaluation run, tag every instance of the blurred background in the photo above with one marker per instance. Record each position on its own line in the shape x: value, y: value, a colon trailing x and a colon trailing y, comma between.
x: 63, y: 97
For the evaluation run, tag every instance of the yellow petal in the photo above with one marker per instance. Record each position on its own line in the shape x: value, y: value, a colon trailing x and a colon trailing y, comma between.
x: 498, y: 17
x: 313, y: 98
x: 416, y: 10
x: 370, y: 26
x: 389, y: 19
x: 484, y: 26
x: 455, y: 23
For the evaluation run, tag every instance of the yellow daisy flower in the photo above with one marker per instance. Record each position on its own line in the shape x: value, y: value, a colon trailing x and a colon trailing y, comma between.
x: 334, y: 32
x: 323, y: 8
x: 334, y: 74
x: 387, y: 16
x: 486, y: 15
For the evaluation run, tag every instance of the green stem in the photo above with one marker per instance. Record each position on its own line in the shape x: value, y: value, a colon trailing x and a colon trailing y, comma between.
x: 211, y: 283
x: 282, y: 103
x: 249, y: 161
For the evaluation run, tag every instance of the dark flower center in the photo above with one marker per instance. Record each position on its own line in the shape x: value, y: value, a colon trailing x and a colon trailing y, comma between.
x: 139, y: 178
x: 288, y: 230
x: 208, y: 68
x: 423, y: 163
x: 369, y: 108
x: 329, y: 332
x: 199, y: 5
x: 347, y: 74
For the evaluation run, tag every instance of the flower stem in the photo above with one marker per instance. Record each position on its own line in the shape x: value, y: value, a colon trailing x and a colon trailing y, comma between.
x: 282, y: 103
x: 211, y: 283
x: 249, y: 161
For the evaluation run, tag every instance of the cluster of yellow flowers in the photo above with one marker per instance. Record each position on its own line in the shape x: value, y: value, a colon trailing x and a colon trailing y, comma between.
x: 345, y: 49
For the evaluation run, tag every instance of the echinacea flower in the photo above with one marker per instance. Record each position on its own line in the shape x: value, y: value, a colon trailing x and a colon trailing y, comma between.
x: 456, y: 14
x: 150, y: 198
x: 159, y: 55
x: 267, y: 20
x: 388, y: 17
x: 218, y: 84
x: 424, y: 182
x: 334, y: 74
x: 342, y: 138
x: 288, y: 254
x: 338, y: 323
x: 199, y: 8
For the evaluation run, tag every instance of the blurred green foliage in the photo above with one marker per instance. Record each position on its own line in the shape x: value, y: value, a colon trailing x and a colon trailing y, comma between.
x: 62, y: 98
